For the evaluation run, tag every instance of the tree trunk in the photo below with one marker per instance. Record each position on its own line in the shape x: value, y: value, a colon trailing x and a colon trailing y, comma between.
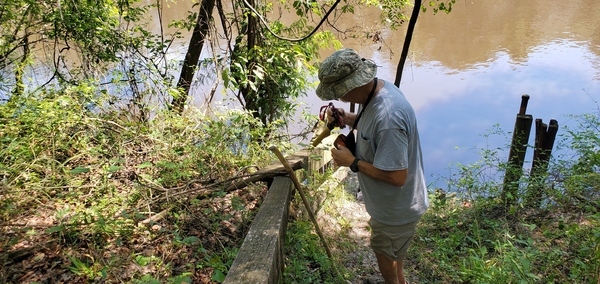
x: 251, y: 31
x: 409, y: 32
x: 192, y: 57
x: 19, y: 84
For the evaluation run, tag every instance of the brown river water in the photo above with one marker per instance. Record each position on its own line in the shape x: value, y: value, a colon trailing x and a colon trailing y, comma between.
x: 468, y: 69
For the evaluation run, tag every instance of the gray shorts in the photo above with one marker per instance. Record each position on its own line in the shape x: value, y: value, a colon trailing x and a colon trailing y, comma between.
x: 391, y: 241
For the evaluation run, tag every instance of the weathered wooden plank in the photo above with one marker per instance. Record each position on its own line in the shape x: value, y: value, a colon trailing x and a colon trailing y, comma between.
x: 299, y: 160
x: 260, y: 259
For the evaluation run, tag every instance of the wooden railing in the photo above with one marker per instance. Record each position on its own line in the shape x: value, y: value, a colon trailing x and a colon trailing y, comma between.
x: 260, y: 259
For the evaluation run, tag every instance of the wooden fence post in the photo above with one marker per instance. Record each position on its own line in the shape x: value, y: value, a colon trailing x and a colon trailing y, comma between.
x: 516, y: 157
x: 544, y: 141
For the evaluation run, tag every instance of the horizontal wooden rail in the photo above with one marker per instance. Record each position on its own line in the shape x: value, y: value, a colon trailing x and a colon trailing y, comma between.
x: 260, y: 259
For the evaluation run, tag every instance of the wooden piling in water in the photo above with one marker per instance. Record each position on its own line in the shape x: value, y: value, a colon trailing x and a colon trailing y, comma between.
x: 544, y: 142
x: 518, y: 149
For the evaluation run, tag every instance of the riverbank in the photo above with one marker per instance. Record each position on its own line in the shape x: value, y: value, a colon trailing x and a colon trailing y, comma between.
x: 463, y: 240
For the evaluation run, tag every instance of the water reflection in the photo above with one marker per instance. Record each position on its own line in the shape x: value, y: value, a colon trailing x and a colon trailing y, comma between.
x: 468, y: 70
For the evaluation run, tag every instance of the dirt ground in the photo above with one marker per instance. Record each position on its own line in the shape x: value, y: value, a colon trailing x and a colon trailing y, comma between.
x: 359, y: 259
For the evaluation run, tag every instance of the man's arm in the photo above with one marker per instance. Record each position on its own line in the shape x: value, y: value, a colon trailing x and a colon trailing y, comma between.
x: 344, y: 158
x: 349, y: 119
x: 396, y: 178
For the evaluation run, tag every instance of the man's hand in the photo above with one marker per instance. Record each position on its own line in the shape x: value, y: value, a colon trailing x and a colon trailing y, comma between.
x: 342, y: 157
x: 337, y: 118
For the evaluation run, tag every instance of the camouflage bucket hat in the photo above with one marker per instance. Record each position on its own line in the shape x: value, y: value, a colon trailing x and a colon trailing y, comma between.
x: 343, y: 71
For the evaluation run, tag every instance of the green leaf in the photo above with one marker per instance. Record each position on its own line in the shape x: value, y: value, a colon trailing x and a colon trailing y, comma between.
x: 113, y: 169
x: 78, y: 263
x: 259, y: 73
x: 525, y: 263
x: 190, y: 240
x: 144, y: 165
x: 54, y: 229
x: 252, y: 86
x: 79, y: 170
x: 225, y: 76
x: 142, y: 260
x: 217, y: 276
x: 181, y: 279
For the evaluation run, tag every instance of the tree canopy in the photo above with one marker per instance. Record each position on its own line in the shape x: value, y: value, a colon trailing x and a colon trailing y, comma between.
x: 264, y: 53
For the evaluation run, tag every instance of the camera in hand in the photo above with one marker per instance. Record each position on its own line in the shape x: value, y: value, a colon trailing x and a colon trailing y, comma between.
x: 348, y: 142
x: 340, y: 141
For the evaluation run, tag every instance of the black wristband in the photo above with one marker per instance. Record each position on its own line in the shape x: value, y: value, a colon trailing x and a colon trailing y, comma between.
x: 354, y: 165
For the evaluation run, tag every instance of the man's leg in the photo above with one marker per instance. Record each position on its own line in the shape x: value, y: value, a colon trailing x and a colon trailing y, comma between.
x: 392, y: 271
x: 400, y: 269
x: 389, y: 243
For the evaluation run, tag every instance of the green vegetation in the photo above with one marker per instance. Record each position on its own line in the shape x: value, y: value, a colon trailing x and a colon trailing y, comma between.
x: 86, y: 197
x: 476, y: 242
x: 107, y: 172
x: 101, y: 182
x: 306, y: 260
x: 469, y: 235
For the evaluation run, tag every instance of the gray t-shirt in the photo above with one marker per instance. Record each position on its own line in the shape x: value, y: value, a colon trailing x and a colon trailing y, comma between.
x: 389, y: 139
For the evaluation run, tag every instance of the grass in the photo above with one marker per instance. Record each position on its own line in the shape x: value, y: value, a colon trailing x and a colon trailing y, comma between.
x: 306, y: 260
x: 342, y: 221
x: 90, y: 198
x: 471, y: 235
x: 93, y: 198
x: 478, y: 242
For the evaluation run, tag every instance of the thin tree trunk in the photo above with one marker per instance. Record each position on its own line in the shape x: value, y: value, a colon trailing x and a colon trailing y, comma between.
x: 19, y: 84
x: 192, y: 57
x: 251, y: 32
x: 409, y: 33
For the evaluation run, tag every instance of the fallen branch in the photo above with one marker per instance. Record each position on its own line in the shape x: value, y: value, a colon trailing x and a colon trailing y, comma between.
x: 156, y: 217
x: 228, y: 185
